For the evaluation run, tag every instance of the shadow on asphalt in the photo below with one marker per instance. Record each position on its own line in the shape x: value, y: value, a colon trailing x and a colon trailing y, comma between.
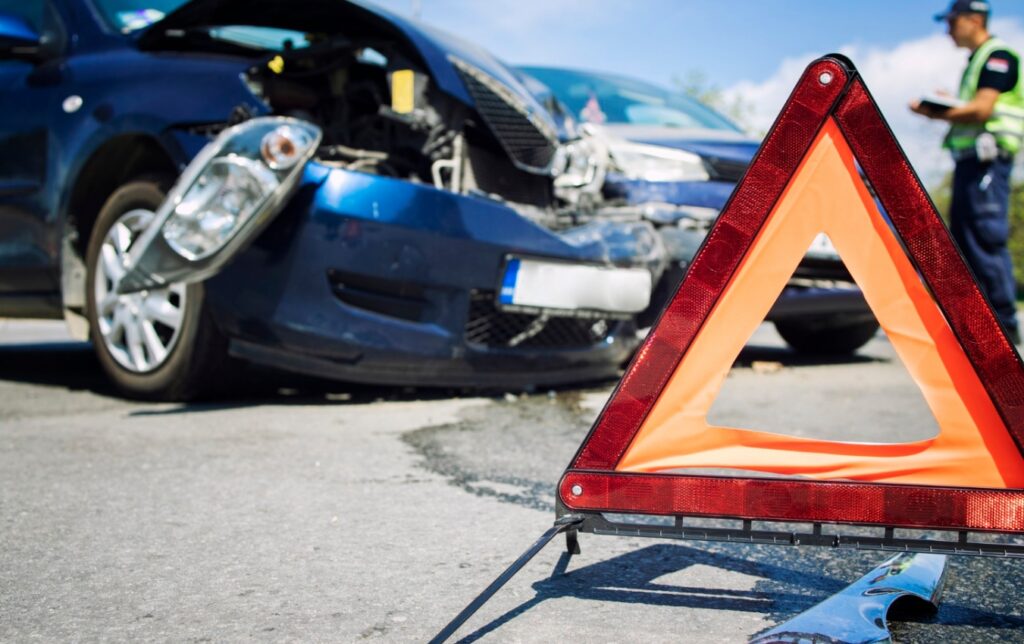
x: 73, y: 366
x: 634, y: 578
x: 69, y: 365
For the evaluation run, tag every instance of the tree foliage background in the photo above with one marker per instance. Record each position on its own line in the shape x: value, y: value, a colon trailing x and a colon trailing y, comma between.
x: 1017, y: 232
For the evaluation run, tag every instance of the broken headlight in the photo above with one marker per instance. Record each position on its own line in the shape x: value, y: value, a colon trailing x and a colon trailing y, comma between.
x: 224, y: 198
x: 656, y: 162
x: 581, y: 166
x: 240, y: 177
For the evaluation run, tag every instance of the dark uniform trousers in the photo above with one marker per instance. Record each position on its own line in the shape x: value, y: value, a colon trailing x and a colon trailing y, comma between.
x: 980, y: 225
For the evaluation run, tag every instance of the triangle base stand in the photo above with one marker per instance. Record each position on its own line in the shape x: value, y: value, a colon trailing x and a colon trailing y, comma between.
x: 831, y: 535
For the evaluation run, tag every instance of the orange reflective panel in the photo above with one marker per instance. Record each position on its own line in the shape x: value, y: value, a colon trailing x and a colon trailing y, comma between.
x: 972, y: 448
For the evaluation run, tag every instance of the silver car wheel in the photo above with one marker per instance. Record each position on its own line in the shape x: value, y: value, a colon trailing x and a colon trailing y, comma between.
x: 139, y: 330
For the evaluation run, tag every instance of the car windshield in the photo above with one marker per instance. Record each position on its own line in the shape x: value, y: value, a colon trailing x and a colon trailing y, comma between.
x: 606, y: 98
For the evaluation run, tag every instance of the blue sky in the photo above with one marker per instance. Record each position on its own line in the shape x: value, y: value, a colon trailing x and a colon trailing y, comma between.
x: 659, y: 39
x: 754, y: 50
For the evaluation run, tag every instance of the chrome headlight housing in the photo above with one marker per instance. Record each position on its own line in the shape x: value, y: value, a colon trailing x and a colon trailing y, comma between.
x: 225, y: 196
x: 240, y: 173
x: 656, y: 162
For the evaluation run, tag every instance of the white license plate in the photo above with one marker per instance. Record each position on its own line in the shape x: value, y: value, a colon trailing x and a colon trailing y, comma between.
x: 554, y: 285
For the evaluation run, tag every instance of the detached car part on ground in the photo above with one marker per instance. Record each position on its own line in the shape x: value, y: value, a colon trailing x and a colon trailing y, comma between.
x: 677, y: 162
x: 380, y: 203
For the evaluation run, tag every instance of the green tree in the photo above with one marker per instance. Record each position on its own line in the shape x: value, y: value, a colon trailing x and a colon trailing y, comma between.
x: 1017, y: 232
x: 942, y: 195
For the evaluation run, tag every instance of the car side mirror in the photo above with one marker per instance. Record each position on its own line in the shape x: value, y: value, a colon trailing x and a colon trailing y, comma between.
x: 19, y: 40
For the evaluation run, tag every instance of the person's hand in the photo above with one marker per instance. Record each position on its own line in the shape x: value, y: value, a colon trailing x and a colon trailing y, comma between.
x: 924, y: 110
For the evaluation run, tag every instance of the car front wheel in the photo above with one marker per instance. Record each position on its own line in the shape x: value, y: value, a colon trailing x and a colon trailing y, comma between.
x: 159, y: 343
x: 829, y: 335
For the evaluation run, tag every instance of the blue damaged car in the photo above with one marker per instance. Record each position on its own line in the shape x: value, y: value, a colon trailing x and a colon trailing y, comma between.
x: 316, y: 186
x: 678, y: 161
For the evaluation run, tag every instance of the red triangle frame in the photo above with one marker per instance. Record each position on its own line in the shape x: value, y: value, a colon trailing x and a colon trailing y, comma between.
x: 829, y: 88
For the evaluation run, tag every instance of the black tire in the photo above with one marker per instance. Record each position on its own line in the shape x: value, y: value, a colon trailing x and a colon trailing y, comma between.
x: 833, y: 335
x: 197, y: 355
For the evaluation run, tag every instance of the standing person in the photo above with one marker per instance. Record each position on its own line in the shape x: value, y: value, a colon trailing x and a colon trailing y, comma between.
x: 987, y: 131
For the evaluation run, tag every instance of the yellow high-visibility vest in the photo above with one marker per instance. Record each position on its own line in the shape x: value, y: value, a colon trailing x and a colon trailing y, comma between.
x: 1007, y: 122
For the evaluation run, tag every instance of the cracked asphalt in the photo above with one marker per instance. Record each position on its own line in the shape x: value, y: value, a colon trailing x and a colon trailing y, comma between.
x: 320, y: 512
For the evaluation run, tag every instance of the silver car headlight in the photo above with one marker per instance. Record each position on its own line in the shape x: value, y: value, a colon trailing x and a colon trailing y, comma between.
x: 236, y: 182
x: 657, y: 163
x: 225, y: 197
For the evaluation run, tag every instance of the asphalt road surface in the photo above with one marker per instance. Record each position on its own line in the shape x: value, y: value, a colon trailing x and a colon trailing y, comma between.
x: 310, y: 512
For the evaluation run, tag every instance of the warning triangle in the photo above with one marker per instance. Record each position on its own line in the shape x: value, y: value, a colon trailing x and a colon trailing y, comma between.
x: 806, y: 180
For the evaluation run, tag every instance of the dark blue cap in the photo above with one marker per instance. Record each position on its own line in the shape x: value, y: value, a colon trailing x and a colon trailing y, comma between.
x: 965, y: 6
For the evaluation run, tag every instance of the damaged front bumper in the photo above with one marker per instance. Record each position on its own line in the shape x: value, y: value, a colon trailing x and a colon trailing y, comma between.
x: 379, y: 280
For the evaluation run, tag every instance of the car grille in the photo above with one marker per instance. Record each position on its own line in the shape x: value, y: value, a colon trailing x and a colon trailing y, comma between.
x: 525, y: 137
x: 491, y: 327
x: 731, y: 171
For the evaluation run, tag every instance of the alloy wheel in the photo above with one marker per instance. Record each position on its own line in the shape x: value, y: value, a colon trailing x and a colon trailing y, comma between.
x: 139, y: 330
